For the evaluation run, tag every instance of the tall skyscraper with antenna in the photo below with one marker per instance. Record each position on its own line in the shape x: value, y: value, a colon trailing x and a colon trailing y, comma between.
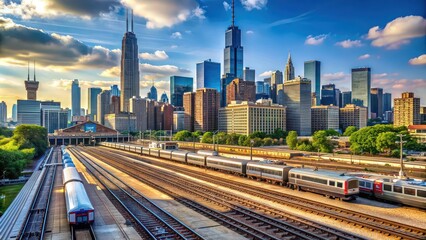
x: 289, y: 70
x: 31, y: 85
x: 233, y: 52
x: 129, y: 82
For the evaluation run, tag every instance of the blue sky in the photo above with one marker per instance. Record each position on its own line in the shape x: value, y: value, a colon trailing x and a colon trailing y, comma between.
x: 82, y: 39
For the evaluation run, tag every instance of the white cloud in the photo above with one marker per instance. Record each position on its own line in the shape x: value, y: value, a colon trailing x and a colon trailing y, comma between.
x: 162, y: 69
x: 176, y: 35
x: 165, y: 13
x: 315, y: 40
x: 335, y: 77
x: 226, y: 6
x: 380, y: 75
x: 254, y: 4
x: 398, y: 32
x: 157, y: 55
x: 365, y: 56
x: 174, y: 46
x: 65, y: 84
x: 420, y: 60
x: 266, y: 74
x: 249, y: 32
x: 111, y: 72
x: 349, y: 43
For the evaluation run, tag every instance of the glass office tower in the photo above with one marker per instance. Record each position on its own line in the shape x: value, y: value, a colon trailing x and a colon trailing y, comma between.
x: 361, y: 85
x: 179, y: 86
x: 208, y: 75
x: 312, y: 71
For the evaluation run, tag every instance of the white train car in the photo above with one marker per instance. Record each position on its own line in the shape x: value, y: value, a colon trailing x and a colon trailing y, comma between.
x: 269, y: 172
x: 80, y: 210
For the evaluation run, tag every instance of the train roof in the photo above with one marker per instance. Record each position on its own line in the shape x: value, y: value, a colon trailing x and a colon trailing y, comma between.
x: 207, y: 152
x: 389, y: 179
x: 225, y: 159
x: 267, y: 165
x: 322, y: 173
x: 70, y: 174
x: 77, y: 197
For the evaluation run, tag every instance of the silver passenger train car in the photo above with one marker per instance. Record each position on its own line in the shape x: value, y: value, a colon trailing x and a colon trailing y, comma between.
x: 269, y: 172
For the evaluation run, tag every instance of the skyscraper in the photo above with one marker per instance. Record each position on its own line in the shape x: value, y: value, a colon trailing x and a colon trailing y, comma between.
x: 297, y: 98
x: 178, y: 86
x: 289, y: 69
x: 239, y: 90
x: 312, y: 71
x: 3, y: 112
x: 387, y: 102
x: 29, y: 112
x: 93, y: 102
x: 103, y: 108
x: 361, y: 85
x: 377, y: 102
x: 138, y: 108
x: 152, y: 94
x: 346, y: 98
x: 129, y: 83
x: 31, y: 86
x: 75, y: 98
x: 14, y: 113
x: 249, y: 74
x: 206, y: 109
x: 208, y: 75
x: 189, y: 108
x: 406, y: 110
x: 115, y: 91
x: 276, y: 78
x: 233, y: 52
x: 328, y: 93
x: 52, y: 116
x: 164, y: 98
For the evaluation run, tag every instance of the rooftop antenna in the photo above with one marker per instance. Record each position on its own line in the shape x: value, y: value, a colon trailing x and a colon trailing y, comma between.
x: 28, y: 70
x: 127, y: 20
x: 132, y: 19
x: 34, y: 72
x: 233, y: 12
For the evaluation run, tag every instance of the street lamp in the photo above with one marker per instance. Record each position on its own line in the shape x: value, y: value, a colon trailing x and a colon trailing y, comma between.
x: 214, y: 146
x: 251, y: 149
x: 401, y: 171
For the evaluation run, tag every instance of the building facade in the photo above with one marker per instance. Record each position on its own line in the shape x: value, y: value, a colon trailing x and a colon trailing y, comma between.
x: 179, y: 86
x: 324, y: 118
x: 207, y: 102
x: 297, y: 99
x: 14, y: 113
x: 53, y: 117
x: 328, y: 95
x: 244, y: 117
x: 387, y: 102
x: 312, y: 71
x: 240, y: 90
x: 233, y: 53
x: 208, y: 75
x: 115, y: 91
x: 93, y: 102
x: 152, y: 94
x: 406, y: 110
x: 103, y: 108
x: 276, y: 79
x: 352, y: 115
x: 377, y: 103
x: 122, y: 122
x: 189, y: 109
x: 361, y: 85
x: 164, y: 98
x: 29, y: 112
x: 138, y: 108
x: 178, y: 121
x: 249, y: 74
x: 75, y: 98
x: 346, y: 98
x: 3, y: 113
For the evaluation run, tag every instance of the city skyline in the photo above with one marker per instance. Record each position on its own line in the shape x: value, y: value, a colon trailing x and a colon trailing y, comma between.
x: 170, y: 46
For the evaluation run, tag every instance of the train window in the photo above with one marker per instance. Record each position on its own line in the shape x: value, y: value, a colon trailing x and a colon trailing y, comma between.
x: 312, y: 179
x: 421, y: 193
x: 297, y: 176
x: 339, y: 184
x: 397, y: 189
x: 292, y: 175
x: 410, y: 191
x: 352, y: 184
x: 367, y: 184
x: 332, y: 183
x: 387, y: 187
x: 362, y: 183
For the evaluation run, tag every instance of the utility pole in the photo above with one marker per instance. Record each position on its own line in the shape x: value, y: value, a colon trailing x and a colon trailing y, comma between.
x: 251, y: 149
x: 401, y: 142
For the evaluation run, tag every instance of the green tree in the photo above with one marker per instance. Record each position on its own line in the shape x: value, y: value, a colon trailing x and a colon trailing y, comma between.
x: 242, y: 139
x: 291, y: 139
x: 183, y: 135
x: 349, y: 130
x: 385, y: 142
x: 232, y: 139
x: 220, y: 138
x: 267, y: 141
x: 320, y: 141
x: 197, y: 134
x: 305, y: 145
x: 332, y: 132
x: 31, y: 136
x: 257, y: 134
x: 207, y: 137
x: 6, y: 132
x: 279, y: 134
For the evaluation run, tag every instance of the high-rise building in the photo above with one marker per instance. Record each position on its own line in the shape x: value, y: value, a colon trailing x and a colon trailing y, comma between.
x: 324, y: 118
x: 103, y: 108
x: 313, y: 99
x: 233, y: 52
x: 164, y: 98
x: 179, y: 86
x: 259, y: 86
x: 376, y: 102
x: 224, y: 81
x: 267, y: 86
x: 387, y: 102
x: 115, y: 91
x: 406, y: 110
x: 152, y: 94
x: 151, y: 116
x: 31, y: 86
x: 328, y: 95
x: 163, y: 116
x: 52, y: 116
x: 312, y: 71
x: 280, y: 94
x: 208, y: 75
x: 92, y: 107
x: 129, y: 82
x: 75, y: 98
x: 244, y: 117
x: 122, y: 122
x: 240, y: 90
x: 249, y: 74
x: 276, y: 78
x: 138, y: 108
x: 297, y: 99
x: 346, y: 98
x: 3, y: 113
x: 352, y: 115
x: 14, y: 113
x: 178, y: 121
x: 289, y: 70
x: 189, y: 109
x: 338, y: 97
x: 29, y: 112
x: 206, y: 109
x: 115, y: 105
x: 361, y: 85
x: 422, y: 115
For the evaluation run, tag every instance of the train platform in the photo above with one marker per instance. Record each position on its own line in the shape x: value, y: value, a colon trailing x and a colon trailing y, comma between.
x: 109, y: 223
x: 204, y: 226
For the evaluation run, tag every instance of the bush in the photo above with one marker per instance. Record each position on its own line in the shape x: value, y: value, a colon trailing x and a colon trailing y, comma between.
x: 267, y: 141
x: 291, y: 139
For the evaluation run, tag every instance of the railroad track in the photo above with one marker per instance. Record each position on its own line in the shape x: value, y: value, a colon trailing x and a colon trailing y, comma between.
x: 155, y: 222
x: 387, y: 227
x: 36, y: 220
x: 272, y: 223
x: 82, y: 233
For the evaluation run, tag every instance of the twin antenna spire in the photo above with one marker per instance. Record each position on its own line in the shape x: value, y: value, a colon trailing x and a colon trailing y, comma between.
x: 29, y: 71
x: 127, y: 20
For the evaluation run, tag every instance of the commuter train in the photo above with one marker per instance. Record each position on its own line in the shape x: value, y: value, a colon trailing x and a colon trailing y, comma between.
x: 406, y: 191
x: 80, y: 210
x: 328, y: 183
